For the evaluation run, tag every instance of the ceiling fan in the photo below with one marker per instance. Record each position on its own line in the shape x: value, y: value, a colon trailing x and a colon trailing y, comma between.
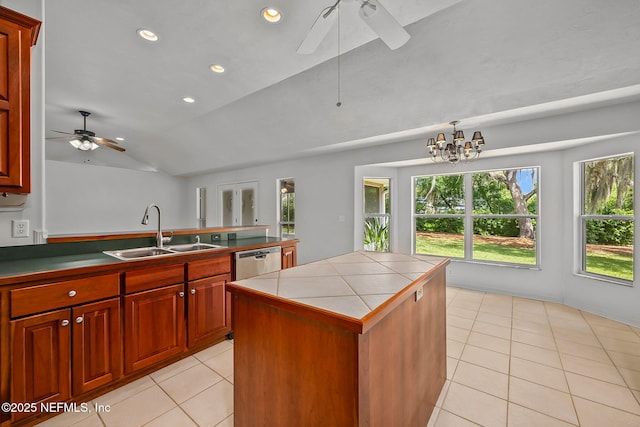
x: 372, y: 13
x: 86, y: 140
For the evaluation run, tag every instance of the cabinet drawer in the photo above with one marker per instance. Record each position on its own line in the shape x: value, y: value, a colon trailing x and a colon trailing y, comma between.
x: 36, y: 299
x: 209, y: 267
x: 155, y: 277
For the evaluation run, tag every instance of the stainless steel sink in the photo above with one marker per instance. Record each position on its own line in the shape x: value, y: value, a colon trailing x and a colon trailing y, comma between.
x: 135, y: 253
x: 189, y: 247
x: 139, y: 253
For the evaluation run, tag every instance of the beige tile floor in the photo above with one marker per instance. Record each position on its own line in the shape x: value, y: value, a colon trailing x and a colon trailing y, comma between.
x: 511, y: 362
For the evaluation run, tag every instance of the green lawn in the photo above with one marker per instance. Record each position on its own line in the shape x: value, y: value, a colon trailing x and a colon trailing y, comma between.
x: 619, y: 266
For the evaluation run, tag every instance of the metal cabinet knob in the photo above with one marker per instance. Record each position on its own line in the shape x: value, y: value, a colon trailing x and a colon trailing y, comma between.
x: 72, y: 293
x: 79, y: 319
x: 181, y: 294
x: 65, y: 322
x: 193, y: 291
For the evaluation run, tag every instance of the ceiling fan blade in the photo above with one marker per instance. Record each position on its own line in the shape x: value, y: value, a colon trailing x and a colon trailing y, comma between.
x: 61, y: 138
x: 383, y: 23
x: 107, y: 143
x: 319, y: 30
x: 66, y: 133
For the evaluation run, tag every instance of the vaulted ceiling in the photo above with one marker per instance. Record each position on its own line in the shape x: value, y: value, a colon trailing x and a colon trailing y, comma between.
x: 465, y: 59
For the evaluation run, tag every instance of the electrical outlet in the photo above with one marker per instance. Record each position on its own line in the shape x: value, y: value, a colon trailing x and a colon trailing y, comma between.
x: 20, y: 228
x: 215, y: 237
x: 419, y: 293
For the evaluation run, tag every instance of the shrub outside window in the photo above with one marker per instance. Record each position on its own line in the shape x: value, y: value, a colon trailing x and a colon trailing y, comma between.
x: 377, y: 214
x: 607, y: 218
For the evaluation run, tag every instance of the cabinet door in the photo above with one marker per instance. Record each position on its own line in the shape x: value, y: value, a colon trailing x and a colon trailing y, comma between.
x: 289, y: 258
x: 207, y: 309
x: 97, y: 345
x: 154, y: 327
x: 40, y: 359
x: 17, y: 34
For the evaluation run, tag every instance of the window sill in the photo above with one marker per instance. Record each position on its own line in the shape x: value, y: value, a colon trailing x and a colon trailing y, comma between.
x: 605, y: 279
x: 496, y: 264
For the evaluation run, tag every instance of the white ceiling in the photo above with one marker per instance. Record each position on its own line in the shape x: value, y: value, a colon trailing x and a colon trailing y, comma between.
x: 465, y: 60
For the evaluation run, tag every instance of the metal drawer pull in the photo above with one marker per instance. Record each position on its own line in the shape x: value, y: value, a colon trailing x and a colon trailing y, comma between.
x: 193, y: 291
x: 72, y: 293
x: 181, y: 294
x: 65, y: 322
x: 79, y: 319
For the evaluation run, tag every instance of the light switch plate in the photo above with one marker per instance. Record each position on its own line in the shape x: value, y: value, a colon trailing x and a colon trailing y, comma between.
x: 20, y: 228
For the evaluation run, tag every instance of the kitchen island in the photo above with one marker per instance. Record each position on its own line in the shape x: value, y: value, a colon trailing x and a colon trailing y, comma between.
x: 354, y: 340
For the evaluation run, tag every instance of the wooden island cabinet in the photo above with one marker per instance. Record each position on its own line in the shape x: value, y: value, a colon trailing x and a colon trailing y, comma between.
x: 360, y: 341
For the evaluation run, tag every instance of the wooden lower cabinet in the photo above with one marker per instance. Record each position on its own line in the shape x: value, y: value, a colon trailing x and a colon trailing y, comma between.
x: 41, y: 371
x: 97, y: 345
x: 154, y: 326
x: 289, y: 256
x: 207, y: 314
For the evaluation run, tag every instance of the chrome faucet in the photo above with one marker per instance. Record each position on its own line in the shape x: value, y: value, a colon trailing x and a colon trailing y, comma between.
x: 145, y: 221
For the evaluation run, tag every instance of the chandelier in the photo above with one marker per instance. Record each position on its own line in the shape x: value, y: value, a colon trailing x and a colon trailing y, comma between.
x: 457, y: 149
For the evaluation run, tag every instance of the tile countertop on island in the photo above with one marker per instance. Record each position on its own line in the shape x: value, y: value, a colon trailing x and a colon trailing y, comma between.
x: 351, y: 285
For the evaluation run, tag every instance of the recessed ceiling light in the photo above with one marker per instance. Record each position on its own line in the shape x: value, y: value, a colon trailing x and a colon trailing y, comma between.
x: 147, y: 34
x: 217, y: 68
x: 119, y: 138
x: 271, y: 14
x: 188, y: 99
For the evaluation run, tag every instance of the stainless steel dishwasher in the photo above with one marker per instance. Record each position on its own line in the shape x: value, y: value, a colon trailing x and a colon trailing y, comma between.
x: 258, y: 261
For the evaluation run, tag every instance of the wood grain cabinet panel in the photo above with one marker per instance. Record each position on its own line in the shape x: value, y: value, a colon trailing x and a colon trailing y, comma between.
x: 50, y: 296
x: 154, y: 326
x: 289, y: 256
x: 17, y: 34
x: 41, y: 368
x: 208, y: 267
x: 207, y: 317
x: 97, y: 345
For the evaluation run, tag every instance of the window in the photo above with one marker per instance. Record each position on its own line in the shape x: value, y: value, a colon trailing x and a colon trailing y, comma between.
x: 607, y: 218
x: 440, y: 215
x: 500, y: 227
x: 376, y: 214
x: 287, y: 208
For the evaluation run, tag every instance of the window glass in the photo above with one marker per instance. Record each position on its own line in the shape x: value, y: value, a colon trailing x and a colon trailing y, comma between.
x: 607, y: 219
x: 377, y: 219
x: 287, y: 207
x: 501, y: 227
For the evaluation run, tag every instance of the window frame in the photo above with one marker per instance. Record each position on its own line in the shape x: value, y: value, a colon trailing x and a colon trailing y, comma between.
x: 584, y: 218
x: 386, y: 215
x: 468, y: 217
x: 282, y: 223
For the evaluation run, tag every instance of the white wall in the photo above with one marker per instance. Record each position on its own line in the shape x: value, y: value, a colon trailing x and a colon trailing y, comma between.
x: 330, y: 185
x: 34, y: 207
x: 89, y: 199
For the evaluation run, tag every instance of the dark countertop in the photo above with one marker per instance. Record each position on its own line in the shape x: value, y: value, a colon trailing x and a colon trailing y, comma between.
x: 30, y: 268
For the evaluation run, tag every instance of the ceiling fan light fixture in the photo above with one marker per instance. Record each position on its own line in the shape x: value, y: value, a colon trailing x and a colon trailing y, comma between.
x: 83, y: 144
x: 271, y: 14
x: 147, y: 34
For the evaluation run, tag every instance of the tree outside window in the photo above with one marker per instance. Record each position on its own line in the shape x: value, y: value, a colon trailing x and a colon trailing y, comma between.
x: 607, y: 218
x: 500, y: 227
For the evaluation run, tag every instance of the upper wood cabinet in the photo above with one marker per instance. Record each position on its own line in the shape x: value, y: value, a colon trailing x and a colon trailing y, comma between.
x: 18, y: 33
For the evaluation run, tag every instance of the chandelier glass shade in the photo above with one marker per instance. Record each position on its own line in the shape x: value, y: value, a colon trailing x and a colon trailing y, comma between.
x: 456, y: 150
